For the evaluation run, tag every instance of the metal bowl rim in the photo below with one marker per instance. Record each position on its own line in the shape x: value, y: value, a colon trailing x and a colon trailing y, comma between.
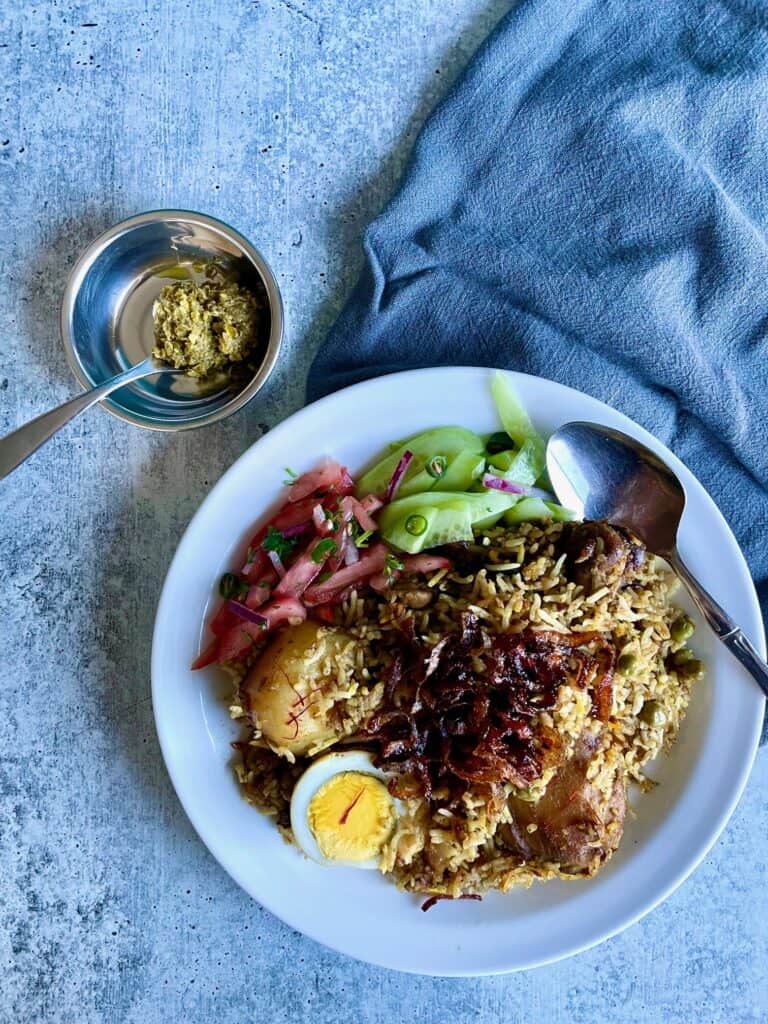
x: 103, y: 241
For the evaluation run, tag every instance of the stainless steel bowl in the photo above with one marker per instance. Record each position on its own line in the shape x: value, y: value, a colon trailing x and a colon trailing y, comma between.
x: 106, y: 314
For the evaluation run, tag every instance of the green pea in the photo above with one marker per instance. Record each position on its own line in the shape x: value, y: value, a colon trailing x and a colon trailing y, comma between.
x: 626, y: 663
x: 653, y: 713
x: 691, y: 670
x: 682, y: 656
x: 682, y: 629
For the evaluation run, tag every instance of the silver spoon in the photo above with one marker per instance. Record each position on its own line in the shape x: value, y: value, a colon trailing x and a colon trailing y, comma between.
x: 19, y: 445
x: 603, y: 474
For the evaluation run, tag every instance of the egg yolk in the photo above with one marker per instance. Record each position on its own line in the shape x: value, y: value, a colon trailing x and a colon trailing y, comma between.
x: 351, y: 817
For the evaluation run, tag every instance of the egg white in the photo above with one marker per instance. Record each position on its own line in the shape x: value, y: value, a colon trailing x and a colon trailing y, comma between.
x: 318, y: 773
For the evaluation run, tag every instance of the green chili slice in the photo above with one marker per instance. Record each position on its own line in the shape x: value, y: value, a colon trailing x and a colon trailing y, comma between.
x: 416, y: 525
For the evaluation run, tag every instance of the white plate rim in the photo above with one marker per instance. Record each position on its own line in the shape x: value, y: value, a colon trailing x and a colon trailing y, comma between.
x: 754, y: 629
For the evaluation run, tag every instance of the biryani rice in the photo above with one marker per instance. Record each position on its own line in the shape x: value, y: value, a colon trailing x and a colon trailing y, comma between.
x: 523, y: 584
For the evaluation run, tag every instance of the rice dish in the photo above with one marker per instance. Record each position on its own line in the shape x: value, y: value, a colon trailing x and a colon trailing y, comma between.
x: 620, y: 681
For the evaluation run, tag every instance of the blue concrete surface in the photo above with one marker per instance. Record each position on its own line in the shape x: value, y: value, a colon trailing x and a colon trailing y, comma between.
x: 291, y: 120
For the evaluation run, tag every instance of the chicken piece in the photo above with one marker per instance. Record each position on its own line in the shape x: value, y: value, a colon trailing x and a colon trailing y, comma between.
x: 574, y: 825
x: 600, y: 554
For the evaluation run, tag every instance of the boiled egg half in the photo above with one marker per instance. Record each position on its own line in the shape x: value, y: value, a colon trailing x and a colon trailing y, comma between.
x: 342, y: 812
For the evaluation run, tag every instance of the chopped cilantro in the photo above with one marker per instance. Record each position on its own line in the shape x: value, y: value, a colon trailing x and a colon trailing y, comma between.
x: 359, y: 535
x: 322, y: 550
x: 277, y: 541
x: 392, y: 565
x: 333, y: 520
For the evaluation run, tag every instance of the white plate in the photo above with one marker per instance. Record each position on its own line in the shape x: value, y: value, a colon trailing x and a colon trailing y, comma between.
x: 358, y: 912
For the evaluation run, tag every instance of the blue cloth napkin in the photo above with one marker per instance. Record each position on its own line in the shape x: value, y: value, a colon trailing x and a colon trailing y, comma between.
x: 590, y: 204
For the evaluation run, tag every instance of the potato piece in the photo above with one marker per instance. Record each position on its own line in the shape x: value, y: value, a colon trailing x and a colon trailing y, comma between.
x: 285, y: 693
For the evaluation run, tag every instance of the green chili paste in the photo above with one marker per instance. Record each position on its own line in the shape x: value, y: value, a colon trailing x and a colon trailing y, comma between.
x: 206, y: 327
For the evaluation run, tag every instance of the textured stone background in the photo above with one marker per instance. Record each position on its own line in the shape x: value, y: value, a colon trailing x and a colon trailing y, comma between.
x: 291, y: 120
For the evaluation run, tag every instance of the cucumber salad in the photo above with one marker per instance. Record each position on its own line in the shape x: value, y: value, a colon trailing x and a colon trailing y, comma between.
x: 443, y: 484
x: 335, y: 535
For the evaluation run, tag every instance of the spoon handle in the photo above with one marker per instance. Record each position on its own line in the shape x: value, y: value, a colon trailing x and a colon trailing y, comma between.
x: 723, y: 625
x: 19, y: 445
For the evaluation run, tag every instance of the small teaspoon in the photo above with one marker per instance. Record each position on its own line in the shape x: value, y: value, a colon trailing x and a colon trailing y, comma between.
x: 22, y: 442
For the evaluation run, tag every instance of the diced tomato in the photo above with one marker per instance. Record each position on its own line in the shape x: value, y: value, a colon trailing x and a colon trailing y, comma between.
x: 425, y: 563
x: 223, y: 620
x: 293, y: 514
x: 371, y: 503
x: 324, y: 613
x: 355, y: 508
x: 303, y: 571
x: 208, y: 656
x: 373, y: 561
x: 238, y: 640
x: 255, y: 569
x: 328, y: 475
x: 257, y: 538
x: 346, y: 484
x: 283, y: 609
x: 259, y: 593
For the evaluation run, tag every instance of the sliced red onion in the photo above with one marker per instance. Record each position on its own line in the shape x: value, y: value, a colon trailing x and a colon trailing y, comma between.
x: 277, y: 563
x: 294, y: 531
x: 495, y: 483
x: 346, y: 549
x: 323, y: 525
x: 246, y: 614
x: 351, y: 554
x: 397, y: 477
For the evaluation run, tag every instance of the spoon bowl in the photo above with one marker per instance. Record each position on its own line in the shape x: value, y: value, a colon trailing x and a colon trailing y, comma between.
x: 601, y: 473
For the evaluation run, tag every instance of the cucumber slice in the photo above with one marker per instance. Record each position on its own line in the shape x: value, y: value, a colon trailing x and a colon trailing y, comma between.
x: 484, y: 507
x: 461, y: 472
x: 515, y: 419
x: 523, y: 467
x: 444, y: 525
x: 528, y: 509
x: 449, y: 442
